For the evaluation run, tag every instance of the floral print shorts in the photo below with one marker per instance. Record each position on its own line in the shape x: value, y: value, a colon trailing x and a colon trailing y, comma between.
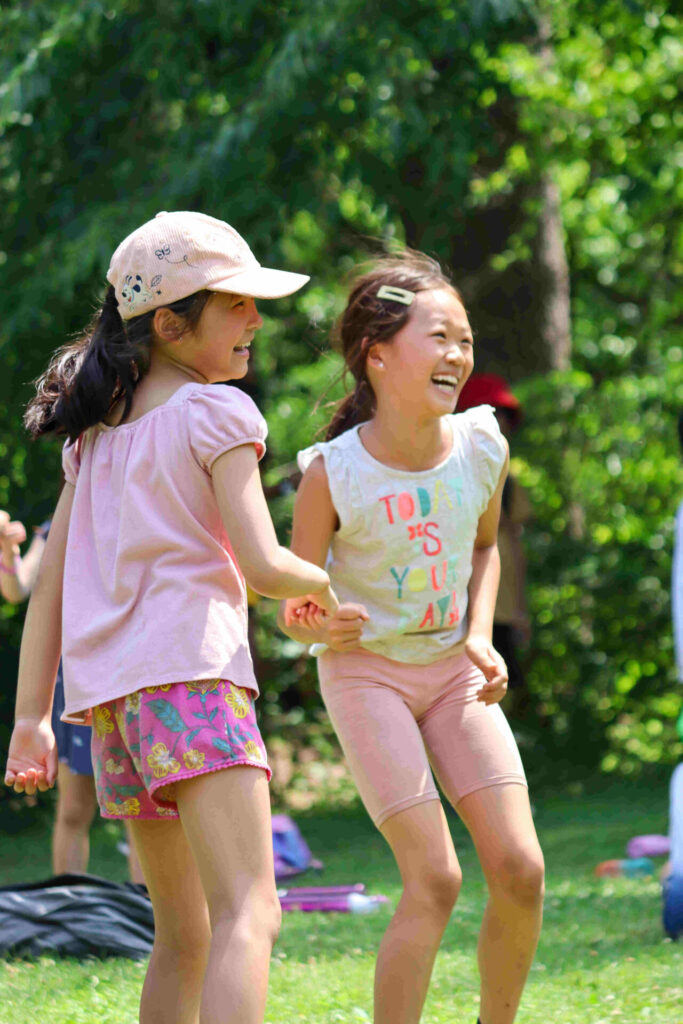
x: 146, y: 742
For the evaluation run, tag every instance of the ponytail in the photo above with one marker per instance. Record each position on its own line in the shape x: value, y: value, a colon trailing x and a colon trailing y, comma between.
x: 104, y: 366
x: 356, y: 408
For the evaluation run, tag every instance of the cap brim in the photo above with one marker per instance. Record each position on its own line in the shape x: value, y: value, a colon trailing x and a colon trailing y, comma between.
x: 262, y: 283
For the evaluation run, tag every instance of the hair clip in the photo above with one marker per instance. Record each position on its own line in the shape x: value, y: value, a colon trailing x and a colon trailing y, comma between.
x: 388, y: 291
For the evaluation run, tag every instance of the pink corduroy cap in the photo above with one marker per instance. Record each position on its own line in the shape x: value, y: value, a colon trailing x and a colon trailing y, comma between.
x: 177, y: 254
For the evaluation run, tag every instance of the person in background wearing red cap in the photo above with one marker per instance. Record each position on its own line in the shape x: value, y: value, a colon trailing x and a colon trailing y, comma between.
x: 511, y: 625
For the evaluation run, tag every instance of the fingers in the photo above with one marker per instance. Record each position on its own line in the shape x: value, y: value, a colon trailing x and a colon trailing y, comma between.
x: 51, y: 768
x: 291, y: 615
x: 28, y: 782
x: 353, y: 611
x: 15, y: 532
x: 493, y: 690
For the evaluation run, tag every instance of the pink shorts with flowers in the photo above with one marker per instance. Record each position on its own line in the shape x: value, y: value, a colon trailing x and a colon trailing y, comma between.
x: 145, y: 743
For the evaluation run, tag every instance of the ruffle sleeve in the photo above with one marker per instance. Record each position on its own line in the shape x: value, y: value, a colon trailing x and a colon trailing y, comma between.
x: 490, y: 448
x: 341, y: 478
x: 71, y: 460
x: 220, y: 418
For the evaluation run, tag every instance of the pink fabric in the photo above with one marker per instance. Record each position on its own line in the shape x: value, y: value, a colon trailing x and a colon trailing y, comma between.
x: 394, y: 720
x: 152, y: 591
x: 146, y: 743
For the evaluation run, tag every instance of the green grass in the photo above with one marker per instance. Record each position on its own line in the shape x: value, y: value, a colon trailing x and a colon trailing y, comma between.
x: 603, y: 957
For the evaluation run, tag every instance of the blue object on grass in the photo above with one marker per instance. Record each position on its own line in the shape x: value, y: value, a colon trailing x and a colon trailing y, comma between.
x: 673, y: 906
x: 291, y: 852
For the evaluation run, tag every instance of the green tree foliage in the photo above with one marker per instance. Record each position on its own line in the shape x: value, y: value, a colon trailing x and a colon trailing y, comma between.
x: 323, y: 128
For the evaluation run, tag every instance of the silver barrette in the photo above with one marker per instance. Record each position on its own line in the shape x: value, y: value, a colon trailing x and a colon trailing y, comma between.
x: 388, y: 291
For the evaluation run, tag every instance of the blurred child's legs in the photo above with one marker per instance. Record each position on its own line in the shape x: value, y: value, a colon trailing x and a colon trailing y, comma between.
x: 76, y: 806
x: 76, y: 797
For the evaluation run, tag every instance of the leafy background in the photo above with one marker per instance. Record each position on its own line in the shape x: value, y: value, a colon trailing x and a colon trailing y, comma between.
x: 533, y: 147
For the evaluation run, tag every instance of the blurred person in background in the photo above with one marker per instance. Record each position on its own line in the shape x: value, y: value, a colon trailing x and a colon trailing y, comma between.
x: 511, y: 624
x: 76, y: 799
x: 673, y: 870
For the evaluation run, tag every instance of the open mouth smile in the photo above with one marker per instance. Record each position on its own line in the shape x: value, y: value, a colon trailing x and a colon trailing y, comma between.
x: 447, y: 383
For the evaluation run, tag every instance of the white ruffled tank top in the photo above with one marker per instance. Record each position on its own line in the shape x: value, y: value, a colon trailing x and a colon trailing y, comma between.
x: 405, y: 539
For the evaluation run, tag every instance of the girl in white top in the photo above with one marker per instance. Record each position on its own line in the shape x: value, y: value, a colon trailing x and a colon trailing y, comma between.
x: 401, y: 504
x: 161, y: 518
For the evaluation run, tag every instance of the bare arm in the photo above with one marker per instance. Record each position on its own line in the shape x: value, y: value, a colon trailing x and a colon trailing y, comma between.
x: 32, y: 758
x: 482, y: 591
x: 315, y: 521
x: 268, y: 568
x: 18, y: 575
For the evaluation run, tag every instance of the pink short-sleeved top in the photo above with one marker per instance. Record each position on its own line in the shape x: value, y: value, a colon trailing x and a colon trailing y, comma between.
x: 152, y: 590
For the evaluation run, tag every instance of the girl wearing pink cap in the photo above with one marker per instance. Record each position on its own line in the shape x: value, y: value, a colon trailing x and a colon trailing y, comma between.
x: 401, y: 504
x: 161, y: 520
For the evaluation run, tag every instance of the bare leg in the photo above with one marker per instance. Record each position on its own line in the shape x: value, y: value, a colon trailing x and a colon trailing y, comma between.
x: 499, y: 820
x: 422, y: 845
x: 135, y: 872
x: 76, y: 806
x: 226, y: 817
x: 172, y: 990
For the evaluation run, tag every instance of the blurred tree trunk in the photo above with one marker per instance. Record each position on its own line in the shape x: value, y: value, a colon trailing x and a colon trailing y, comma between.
x: 552, y: 277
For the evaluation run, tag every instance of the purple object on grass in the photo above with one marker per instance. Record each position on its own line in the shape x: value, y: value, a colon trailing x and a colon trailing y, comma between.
x: 345, y: 899
x: 648, y: 846
x: 290, y: 849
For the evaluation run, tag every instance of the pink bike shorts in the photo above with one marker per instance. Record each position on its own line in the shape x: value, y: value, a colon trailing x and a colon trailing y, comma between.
x: 145, y: 743
x: 395, y: 720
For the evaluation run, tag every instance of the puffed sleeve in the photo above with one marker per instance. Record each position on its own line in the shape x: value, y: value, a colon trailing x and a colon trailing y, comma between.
x: 71, y: 460
x: 341, y: 479
x: 221, y: 417
x: 490, y: 448
x: 306, y: 456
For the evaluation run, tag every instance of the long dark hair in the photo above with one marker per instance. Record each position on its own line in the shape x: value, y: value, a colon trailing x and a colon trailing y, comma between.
x: 105, y: 365
x: 368, y: 320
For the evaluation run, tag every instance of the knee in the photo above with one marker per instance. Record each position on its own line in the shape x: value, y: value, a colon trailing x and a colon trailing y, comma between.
x: 180, y: 938
x: 437, y: 889
x: 77, y: 816
x: 519, y: 877
x: 271, y: 919
x: 257, y: 919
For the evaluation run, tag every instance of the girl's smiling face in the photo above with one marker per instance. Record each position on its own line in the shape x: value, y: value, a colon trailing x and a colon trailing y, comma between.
x: 217, y: 349
x: 219, y: 345
x: 425, y: 365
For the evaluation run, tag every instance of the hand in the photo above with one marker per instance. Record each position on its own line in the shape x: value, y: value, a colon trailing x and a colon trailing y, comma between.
x: 344, y: 629
x: 303, y: 611
x: 32, y: 757
x: 341, y: 631
x: 483, y: 654
x: 326, y: 600
x: 12, y: 534
x: 310, y: 610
